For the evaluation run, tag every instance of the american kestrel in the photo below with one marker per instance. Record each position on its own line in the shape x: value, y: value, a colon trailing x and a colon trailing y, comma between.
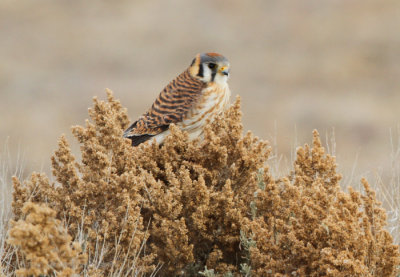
x: 188, y: 101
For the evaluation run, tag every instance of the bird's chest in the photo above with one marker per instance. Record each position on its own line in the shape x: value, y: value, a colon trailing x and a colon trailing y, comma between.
x: 212, y: 102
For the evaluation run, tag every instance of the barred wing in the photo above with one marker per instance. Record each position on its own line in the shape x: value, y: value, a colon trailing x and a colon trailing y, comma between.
x: 171, y: 106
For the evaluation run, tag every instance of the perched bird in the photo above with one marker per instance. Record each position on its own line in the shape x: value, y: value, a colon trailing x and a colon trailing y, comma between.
x: 188, y: 101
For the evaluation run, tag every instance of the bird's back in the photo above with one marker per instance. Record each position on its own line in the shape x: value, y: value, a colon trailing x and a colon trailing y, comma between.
x: 171, y: 106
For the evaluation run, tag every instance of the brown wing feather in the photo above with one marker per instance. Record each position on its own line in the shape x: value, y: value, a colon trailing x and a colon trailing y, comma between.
x: 171, y: 106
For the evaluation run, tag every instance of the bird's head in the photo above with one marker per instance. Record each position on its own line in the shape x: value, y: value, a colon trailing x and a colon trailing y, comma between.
x: 210, y: 67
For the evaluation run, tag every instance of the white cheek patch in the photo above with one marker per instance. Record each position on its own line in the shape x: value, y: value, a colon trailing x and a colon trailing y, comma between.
x: 206, y: 74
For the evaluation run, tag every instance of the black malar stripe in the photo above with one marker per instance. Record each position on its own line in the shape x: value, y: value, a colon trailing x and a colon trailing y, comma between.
x: 201, y: 71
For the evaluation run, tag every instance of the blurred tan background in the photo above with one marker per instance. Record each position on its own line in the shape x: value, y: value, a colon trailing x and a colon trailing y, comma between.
x: 298, y: 65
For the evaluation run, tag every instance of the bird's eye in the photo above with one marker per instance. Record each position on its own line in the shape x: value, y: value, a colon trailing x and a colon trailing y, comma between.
x: 212, y: 65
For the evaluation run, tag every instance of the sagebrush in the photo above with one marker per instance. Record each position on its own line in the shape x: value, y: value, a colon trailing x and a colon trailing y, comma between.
x: 203, y: 207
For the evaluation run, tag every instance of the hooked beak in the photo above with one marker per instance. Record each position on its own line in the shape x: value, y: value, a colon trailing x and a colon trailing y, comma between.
x: 224, y: 70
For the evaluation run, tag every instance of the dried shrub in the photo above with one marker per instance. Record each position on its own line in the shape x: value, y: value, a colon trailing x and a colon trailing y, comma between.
x: 44, y: 243
x: 307, y: 226
x: 207, y: 205
x: 101, y: 196
x: 1, y: 271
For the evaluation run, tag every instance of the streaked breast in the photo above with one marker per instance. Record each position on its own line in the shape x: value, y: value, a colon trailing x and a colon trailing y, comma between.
x: 213, y: 101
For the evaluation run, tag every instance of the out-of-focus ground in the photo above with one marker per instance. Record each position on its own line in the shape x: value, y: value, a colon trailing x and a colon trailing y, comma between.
x: 298, y: 65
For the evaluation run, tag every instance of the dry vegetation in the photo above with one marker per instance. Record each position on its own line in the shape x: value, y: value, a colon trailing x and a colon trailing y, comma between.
x: 192, y: 208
